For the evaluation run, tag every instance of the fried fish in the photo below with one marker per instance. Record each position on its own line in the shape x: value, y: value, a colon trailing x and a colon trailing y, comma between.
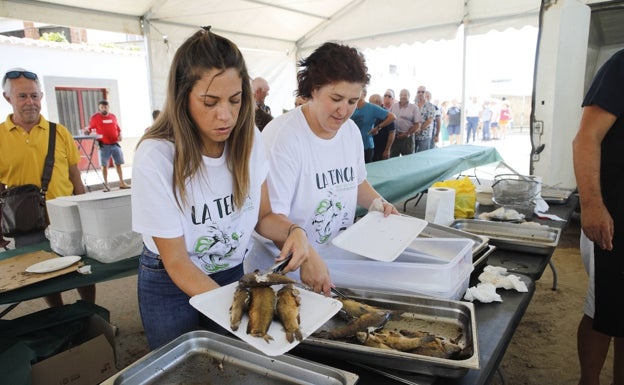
x: 287, y: 309
x: 238, y: 307
x: 261, y: 311
x: 389, y: 339
x: 256, y: 279
x: 354, y: 309
x: 366, y: 322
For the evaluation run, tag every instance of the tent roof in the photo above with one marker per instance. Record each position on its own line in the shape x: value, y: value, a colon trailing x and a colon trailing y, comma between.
x: 285, y: 24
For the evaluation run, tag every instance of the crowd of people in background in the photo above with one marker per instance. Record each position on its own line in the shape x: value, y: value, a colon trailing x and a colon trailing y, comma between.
x: 392, y: 127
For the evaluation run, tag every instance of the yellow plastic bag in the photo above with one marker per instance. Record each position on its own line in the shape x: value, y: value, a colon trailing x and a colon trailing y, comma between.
x: 465, y: 196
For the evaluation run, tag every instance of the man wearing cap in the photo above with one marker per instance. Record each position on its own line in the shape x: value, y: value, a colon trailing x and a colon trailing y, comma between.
x: 24, y: 146
x: 105, y: 124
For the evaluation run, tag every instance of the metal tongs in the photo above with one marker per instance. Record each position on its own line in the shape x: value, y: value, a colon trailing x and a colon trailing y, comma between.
x: 339, y: 293
x: 279, y: 266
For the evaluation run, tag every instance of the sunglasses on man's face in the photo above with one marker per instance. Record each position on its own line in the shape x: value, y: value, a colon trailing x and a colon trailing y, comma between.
x: 17, y: 74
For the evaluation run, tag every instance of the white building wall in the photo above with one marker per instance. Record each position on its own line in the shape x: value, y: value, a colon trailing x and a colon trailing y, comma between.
x: 122, y: 73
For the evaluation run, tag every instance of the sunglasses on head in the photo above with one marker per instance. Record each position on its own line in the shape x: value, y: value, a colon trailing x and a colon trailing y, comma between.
x: 17, y: 74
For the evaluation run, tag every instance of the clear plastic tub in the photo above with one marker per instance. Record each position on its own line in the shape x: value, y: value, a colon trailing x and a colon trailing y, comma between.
x: 430, y: 266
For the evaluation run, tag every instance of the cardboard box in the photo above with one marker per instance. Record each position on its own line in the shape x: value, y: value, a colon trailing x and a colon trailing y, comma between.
x: 90, y: 362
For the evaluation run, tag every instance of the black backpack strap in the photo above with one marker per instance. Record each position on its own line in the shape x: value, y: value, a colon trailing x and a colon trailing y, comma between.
x: 49, y: 161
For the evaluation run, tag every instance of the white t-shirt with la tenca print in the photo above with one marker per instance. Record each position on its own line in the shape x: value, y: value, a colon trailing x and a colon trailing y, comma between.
x: 311, y: 180
x: 216, y: 234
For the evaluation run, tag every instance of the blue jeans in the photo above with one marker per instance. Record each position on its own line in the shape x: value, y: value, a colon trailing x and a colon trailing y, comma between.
x: 165, y: 309
x: 108, y: 150
x: 422, y: 144
x: 486, y: 130
x: 472, y: 122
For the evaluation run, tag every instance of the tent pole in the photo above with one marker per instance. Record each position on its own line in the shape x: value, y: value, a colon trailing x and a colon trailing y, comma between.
x: 462, y: 130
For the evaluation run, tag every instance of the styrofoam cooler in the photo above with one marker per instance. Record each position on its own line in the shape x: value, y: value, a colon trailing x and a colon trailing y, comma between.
x: 438, y: 267
x: 65, y: 229
x: 106, y: 219
x: 64, y: 215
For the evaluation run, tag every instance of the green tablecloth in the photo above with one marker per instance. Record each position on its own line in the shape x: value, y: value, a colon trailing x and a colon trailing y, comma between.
x: 403, y: 177
x: 99, y: 272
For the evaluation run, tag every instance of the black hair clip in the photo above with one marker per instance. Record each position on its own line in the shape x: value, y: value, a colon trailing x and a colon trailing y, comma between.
x: 206, y: 29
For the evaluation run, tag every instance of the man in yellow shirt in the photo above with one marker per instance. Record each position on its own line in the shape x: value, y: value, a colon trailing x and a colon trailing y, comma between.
x: 24, y: 145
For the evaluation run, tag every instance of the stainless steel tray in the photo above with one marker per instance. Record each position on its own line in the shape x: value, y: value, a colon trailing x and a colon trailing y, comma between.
x: 554, y: 195
x: 445, y: 318
x: 482, y: 258
x: 438, y: 231
x: 209, y: 358
x: 513, y: 236
x: 404, y: 378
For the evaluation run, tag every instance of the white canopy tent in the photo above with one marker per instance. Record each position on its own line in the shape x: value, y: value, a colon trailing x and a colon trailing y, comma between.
x: 274, y: 34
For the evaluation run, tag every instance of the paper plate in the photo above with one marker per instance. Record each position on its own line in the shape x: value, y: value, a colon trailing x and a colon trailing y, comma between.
x: 381, y: 238
x: 53, y: 264
x: 314, y: 311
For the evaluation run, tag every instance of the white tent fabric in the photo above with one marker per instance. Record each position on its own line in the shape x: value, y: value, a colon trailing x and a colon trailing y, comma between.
x: 273, y: 34
x: 283, y: 24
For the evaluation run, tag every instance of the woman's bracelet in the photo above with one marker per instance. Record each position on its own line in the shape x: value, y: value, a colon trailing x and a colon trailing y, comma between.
x: 295, y: 226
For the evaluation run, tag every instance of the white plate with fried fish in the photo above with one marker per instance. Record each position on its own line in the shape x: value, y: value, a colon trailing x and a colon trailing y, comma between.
x: 314, y: 311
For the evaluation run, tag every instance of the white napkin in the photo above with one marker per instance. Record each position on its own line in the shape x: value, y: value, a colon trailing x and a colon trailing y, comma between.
x: 502, y: 214
x: 492, y: 278
x: 483, y: 292
x: 541, y: 206
x: 498, y: 277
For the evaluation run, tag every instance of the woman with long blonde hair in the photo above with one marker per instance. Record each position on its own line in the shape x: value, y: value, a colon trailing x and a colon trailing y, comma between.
x: 199, y: 190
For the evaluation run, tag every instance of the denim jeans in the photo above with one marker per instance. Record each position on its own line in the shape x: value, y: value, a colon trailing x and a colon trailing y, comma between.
x: 472, y: 122
x: 486, y: 130
x: 165, y: 310
x: 108, y: 150
x: 422, y: 144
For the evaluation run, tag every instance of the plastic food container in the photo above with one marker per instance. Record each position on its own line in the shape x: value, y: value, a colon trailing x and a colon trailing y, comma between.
x: 434, y: 267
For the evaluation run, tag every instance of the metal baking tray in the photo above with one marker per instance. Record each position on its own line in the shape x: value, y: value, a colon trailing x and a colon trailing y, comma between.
x: 482, y: 258
x: 513, y: 236
x: 554, y: 195
x: 208, y: 358
x: 450, y: 319
x: 433, y: 230
x: 402, y: 377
